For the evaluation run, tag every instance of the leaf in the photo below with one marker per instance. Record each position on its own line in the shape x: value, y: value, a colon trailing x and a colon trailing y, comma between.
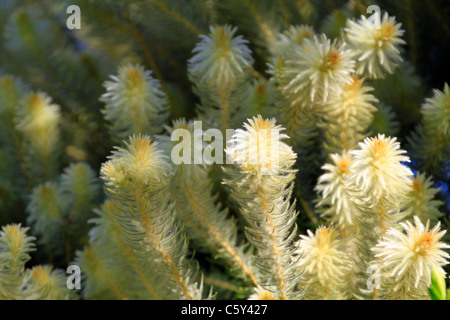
x: 438, y: 287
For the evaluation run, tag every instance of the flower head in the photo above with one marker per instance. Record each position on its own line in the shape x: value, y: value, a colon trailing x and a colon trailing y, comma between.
x: 420, y: 199
x: 409, y: 255
x: 258, y: 148
x: 15, y: 244
x: 80, y: 180
x: 375, y: 44
x: 378, y: 167
x: 52, y: 282
x: 317, y: 69
x: 38, y: 119
x: 139, y: 164
x: 324, y: 261
x: 46, y: 206
x: 431, y: 142
x: 350, y: 114
x: 134, y: 102
x: 436, y: 112
x: 290, y: 38
x: 220, y: 58
x: 335, y: 174
x: 336, y: 200
x: 355, y: 94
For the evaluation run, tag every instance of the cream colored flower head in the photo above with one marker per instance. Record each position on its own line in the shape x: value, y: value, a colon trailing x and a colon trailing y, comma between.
x: 355, y: 101
x: 333, y: 190
x: 420, y: 199
x: 220, y: 57
x: 290, y: 38
x: 412, y: 252
x: 258, y: 148
x: 436, y: 112
x: 137, y: 165
x: 317, y: 69
x: 375, y: 44
x: 134, y: 102
x: 378, y: 167
x: 38, y: 119
x: 321, y: 256
x: 335, y: 174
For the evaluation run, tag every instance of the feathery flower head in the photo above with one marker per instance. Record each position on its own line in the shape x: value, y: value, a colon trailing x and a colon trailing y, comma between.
x: 321, y: 254
x: 332, y: 186
x: 41, y: 274
x: 167, y: 145
x: 316, y: 70
x: 45, y: 206
x: 354, y: 99
x: 259, y: 149
x: 220, y: 57
x: 291, y: 37
x: 377, y: 167
x: 80, y: 180
x: 335, y: 173
x: 276, y: 69
x: 50, y: 283
x: 165, y: 140
x: 38, y: 119
x: 324, y: 261
x: 421, y: 199
x: 137, y: 165
x: 350, y: 114
x: 412, y: 253
x: 343, y: 163
x: 296, y: 34
x: 134, y: 102
x: 15, y: 244
x: 436, y: 112
x: 375, y: 45
x: 179, y: 124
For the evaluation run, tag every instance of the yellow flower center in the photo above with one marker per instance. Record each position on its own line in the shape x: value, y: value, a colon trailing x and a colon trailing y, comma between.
x: 384, y: 34
x: 135, y: 83
x: 330, y: 62
x: 424, y: 244
x: 324, y: 237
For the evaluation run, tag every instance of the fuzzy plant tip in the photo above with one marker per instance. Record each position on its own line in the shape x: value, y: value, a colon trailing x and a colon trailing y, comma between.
x: 259, y: 148
x: 376, y: 44
x: 408, y: 256
x: 138, y: 163
x: 229, y: 150
x: 378, y: 166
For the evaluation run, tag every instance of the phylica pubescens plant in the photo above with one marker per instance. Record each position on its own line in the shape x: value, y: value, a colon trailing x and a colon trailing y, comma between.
x: 320, y: 201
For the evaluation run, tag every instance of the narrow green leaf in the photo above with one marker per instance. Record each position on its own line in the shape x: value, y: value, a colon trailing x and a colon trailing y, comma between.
x: 438, y: 288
